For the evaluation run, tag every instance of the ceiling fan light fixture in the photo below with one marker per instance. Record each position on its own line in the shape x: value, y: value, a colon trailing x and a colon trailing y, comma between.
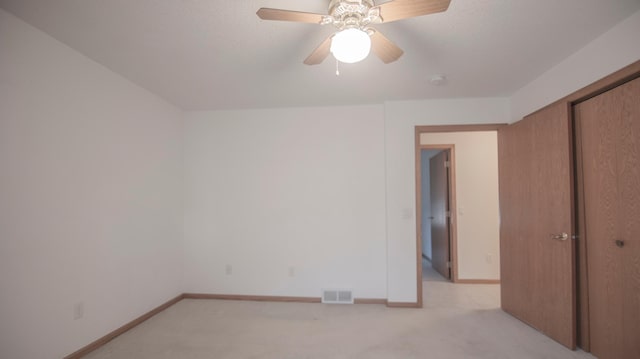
x: 351, y: 45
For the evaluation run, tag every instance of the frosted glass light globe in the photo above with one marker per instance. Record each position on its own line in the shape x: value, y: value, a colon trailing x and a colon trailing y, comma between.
x: 351, y: 45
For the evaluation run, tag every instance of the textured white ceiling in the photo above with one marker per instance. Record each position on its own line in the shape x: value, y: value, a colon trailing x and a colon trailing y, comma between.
x: 217, y: 54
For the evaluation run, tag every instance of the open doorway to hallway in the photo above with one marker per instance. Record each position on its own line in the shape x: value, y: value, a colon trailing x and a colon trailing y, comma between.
x: 472, y: 213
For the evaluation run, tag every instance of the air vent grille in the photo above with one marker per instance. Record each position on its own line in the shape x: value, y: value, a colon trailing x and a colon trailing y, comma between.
x: 337, y: 296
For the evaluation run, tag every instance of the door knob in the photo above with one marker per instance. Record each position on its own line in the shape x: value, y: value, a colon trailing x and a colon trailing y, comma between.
x: 560, y: 237
x: 619, y: 243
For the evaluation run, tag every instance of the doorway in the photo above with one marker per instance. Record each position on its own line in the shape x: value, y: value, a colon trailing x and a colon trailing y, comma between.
x: 473, y: 151
x: 436, y: 184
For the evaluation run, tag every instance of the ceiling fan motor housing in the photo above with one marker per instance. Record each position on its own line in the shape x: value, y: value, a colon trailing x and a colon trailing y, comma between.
x: 358, y: 14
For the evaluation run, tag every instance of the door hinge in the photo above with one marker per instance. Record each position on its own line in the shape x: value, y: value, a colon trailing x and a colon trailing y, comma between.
x: 447, y: 164
x: 448, y: 214
x: 448, y: 264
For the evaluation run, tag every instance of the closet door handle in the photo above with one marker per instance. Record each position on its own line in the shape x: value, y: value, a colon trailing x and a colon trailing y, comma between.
x: 560, y: 237
x: 619, y: 243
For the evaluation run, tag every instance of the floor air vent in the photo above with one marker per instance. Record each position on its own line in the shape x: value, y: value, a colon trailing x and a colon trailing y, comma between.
x: 337, y: 296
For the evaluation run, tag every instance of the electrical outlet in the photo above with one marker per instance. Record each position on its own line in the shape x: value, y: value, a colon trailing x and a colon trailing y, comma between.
x: 489, y: 258
x: 292, y: 271
x: 228, y: 269
x: 78, y: 310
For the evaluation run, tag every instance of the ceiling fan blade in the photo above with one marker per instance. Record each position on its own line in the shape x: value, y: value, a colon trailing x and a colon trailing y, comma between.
x: 287, y: 15
x: 404, y: 9
x: 386, y: 50
x: 320, y: 53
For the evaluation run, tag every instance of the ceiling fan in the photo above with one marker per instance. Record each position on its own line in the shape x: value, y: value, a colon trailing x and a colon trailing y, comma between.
x: 355, y: 38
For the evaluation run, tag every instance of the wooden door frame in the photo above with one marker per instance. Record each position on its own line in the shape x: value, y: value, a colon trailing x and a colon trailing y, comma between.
x: 453, y: 236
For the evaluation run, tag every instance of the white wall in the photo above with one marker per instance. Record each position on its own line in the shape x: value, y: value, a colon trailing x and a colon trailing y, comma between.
x: 608, y: 53
x: 267, y: 190
x: 478, y: 217
x: 90, y: 197
x: 400, y: 121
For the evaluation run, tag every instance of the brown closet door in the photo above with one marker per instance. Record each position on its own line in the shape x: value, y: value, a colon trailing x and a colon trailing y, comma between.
x: 536, y: 247
x: 610, y: 135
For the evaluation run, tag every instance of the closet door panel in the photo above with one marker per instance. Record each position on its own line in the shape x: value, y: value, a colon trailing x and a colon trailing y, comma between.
x: 536, y: 204
x: 610, y: 151
x: 629, y: 214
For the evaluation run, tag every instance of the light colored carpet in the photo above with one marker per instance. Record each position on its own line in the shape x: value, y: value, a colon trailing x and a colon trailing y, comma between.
x: 458, y: 321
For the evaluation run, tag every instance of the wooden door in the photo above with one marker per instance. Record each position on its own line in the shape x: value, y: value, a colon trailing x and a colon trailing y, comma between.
x: 536, y: 246
x: 609, y: 131
x: 439, y: 191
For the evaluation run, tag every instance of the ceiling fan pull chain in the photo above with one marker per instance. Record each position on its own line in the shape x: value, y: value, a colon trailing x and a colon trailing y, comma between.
x: 337, y: 67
